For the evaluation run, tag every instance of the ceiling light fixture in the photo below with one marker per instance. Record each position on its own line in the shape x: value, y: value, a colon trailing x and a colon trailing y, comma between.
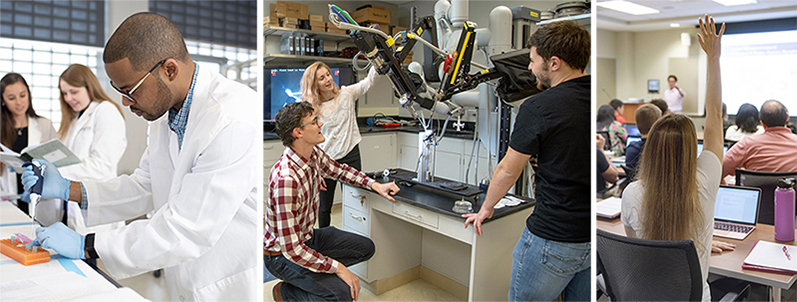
x: 628, y: 7
x: 735, y: 2
x: 675, y: 25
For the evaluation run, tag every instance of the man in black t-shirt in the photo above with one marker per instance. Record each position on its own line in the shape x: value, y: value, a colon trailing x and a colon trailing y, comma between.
x: 553, y: 253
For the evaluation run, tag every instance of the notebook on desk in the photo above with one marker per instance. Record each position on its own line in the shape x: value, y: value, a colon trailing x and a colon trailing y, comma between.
x: 736, y: 211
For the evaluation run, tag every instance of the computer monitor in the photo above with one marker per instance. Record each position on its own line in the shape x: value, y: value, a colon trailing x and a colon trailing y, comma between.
x: 282, y: 87
x: 653, y: 86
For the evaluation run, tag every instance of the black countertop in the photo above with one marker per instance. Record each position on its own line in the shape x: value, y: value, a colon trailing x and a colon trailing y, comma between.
x: 441, y: 202
x: 452, y: 133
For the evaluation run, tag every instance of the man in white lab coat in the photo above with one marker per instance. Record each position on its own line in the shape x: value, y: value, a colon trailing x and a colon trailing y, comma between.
x: 199, y: 173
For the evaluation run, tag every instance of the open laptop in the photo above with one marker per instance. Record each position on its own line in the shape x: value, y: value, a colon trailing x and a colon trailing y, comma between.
x: 700, y: 149
x: 736, y: 211
x: 632, y: 129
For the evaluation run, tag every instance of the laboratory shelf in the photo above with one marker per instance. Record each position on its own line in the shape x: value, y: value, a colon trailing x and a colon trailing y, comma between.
x: 276, y: 30
x: 276, y: 59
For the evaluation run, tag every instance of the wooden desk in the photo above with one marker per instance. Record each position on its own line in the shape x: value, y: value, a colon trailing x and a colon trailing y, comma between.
x: 730, y: 263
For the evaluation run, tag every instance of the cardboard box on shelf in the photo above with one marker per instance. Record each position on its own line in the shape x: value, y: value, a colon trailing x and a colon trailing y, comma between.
x: 373, y: 15
x: 290, y: 20
x: 277, y: 10
x: 318, y: 18
x: 396, y: 29
x: 296, y: 10
x: 320, y: 24
x: 331, y: 28
x: 270, y: 21
x: 317, y: 28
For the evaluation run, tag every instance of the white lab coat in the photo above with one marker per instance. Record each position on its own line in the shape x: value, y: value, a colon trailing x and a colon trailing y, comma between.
x: 205, y: 222
x: 39, y: 130
x: 98, y: 139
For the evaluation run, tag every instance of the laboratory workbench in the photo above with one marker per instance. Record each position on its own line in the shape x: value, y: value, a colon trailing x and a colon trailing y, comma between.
x: 452, y: 133
x: 419, y: 236
x: 59, y: 279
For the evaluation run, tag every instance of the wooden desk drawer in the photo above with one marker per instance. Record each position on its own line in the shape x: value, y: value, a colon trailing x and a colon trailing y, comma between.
x: 356, y: 220
x: 419, y: 216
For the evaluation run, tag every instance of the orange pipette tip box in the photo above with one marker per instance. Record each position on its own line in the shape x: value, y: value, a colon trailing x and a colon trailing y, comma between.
x: 21, y: 255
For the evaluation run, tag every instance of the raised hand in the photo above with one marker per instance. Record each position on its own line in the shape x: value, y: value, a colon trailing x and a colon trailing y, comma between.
x: 708, y: 37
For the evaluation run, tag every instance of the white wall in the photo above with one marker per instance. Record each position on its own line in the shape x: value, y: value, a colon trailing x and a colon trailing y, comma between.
x: 118, y: 11
x: 641, y: 56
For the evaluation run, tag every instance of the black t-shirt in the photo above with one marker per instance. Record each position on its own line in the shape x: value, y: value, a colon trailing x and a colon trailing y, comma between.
x: 603, y: 164
x: 555, y: 125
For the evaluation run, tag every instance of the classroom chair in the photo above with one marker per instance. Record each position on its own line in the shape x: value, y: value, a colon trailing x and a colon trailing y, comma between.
x: 767, y: 181
x: 633, y: 269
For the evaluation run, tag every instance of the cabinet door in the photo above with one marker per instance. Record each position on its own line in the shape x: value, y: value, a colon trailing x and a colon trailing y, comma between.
x: 449, y: 165
x: 378, y: 151
x: 407, y: 157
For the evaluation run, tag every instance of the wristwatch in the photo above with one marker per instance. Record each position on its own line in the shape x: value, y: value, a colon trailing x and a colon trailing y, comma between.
x: 90, y: 252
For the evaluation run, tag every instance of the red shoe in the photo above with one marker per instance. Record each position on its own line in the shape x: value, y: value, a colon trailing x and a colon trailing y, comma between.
x: 275, y: 292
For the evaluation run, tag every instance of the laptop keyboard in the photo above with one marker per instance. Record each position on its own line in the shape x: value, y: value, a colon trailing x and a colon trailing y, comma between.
x: 732, y: 227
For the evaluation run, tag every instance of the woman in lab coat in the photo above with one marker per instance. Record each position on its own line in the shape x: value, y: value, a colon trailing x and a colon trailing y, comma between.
x: 93, y: 128
x: 20, y: 127
x: 335, y: 108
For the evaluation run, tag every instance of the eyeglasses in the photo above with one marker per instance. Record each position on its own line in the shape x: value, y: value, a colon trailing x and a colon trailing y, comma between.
x: 314, y: 121
x: 129, y: 94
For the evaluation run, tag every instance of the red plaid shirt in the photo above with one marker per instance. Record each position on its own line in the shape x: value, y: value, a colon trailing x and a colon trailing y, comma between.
x: 293, y: 203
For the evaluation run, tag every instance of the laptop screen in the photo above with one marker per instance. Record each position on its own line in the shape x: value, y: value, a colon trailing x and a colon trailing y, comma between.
x: 632, y: 139
x: 632, y: 129
x: 700, y: 149
x: 737, y: 204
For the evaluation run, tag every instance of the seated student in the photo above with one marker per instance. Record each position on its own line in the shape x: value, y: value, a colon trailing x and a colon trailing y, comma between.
x: 747, y: 123
x: 618, y: 110
x: 726, y: 122
x: 617, y: 134
x: 645, y: 116
x: 675, y: 194
x: 607, y: 172
x: 312, y: 262
x: 662, y: 106
x: 775, y: 150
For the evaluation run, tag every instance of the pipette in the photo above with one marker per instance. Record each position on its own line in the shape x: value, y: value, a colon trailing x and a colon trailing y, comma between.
x: 35, y: 193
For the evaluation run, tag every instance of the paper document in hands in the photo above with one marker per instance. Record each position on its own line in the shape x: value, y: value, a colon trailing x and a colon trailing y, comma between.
x: 53, y: 151
x: 774, y: 257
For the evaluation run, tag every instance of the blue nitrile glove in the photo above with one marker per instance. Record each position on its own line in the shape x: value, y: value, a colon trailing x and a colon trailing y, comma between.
x: 25, y: 197
x: 62, y: 239
x: 55, y: 186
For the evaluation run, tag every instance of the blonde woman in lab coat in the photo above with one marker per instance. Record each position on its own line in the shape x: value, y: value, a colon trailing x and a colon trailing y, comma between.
x: 20, y: 127
x: 93, y: 128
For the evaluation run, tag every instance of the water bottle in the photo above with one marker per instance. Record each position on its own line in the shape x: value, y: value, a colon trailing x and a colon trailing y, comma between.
x: 784, y: 210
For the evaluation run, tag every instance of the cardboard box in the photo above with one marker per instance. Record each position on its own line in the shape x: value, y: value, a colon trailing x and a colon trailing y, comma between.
x: 372, y: 15
x: 331, y: 28
x: 277, y: 10
x: 317, y: 28
x: 296, y: 10
x: 396, y: 29
x: 320, y: 24
x: 270, y: 21
x: 318, y: 18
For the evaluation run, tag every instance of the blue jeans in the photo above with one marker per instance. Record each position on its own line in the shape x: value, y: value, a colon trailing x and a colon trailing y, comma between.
x: 302, y: 284
x: 542, y: 269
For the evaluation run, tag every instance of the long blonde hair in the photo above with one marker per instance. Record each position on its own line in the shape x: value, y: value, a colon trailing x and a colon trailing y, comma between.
x: 668, y: 173
x: 309, y: 87
x: 80, y: 76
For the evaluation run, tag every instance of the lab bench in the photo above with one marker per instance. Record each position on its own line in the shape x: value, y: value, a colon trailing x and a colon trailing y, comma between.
x: 420, y: 236
x: 58, y: 279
